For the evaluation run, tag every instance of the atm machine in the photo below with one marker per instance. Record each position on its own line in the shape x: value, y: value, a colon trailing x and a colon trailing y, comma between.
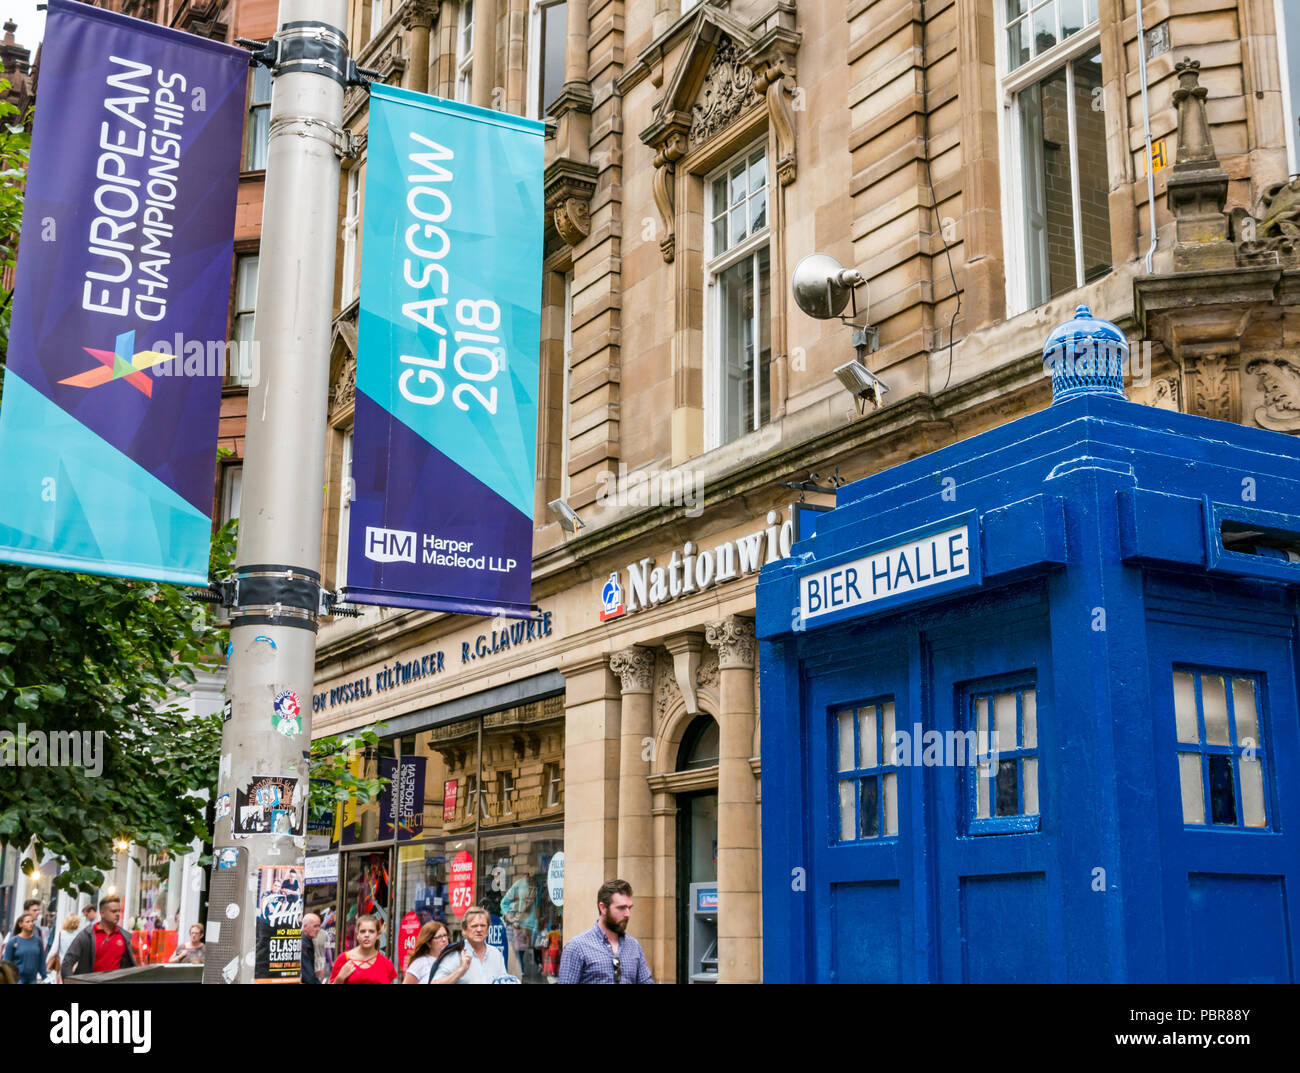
x: 703, y: 940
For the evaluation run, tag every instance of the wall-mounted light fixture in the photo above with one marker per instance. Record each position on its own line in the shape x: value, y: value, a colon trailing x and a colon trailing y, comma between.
x: 822, y: 288
x: 566, y: 515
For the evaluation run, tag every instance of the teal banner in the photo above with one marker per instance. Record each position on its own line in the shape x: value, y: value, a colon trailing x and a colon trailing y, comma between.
x: 445, y: 442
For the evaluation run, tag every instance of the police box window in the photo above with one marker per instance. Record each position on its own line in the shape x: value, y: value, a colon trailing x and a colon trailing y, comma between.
x: 1002, y: 784
x: 866, y: 771
x: 1221, y: 750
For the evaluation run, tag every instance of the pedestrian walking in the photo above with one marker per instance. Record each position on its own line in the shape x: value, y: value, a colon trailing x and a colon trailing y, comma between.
x: 310, y: 929
x: 431, y: 942
x: 26, y: 951
x: 478, y: 963
x: 364, y: 964
x: 103, y: 946
x: 606, y: 954
x: 192, y: 952
x: 33, y: 906
x: 71, y: 926
x: 89, y: 914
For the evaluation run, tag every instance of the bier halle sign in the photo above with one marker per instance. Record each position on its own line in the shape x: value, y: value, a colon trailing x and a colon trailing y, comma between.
x: 905, y: 568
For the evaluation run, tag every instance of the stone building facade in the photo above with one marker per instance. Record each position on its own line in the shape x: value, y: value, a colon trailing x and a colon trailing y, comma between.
x: 985, y: 167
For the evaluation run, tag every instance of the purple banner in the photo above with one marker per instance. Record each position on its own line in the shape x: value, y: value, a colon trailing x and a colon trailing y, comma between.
x: 107, y: 442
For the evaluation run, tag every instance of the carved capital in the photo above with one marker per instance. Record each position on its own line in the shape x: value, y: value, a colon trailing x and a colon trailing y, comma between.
x: 635, y: 667
x: 733, y: 637
x: 1212, y: 386
x: 420, y: 14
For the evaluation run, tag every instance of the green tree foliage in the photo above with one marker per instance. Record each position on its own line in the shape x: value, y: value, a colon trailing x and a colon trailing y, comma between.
x: 14, y: 145
x: 99, y: 655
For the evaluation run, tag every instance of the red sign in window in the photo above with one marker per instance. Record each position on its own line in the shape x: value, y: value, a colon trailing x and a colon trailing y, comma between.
x: 406, y: 936
x: 449, y: 800
x: 462, y: 882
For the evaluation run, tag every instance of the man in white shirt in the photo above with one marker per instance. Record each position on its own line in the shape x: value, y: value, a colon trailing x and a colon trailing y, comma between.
x: 478, y: 962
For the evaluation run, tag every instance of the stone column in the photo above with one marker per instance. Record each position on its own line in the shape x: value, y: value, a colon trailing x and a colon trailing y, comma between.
x: 663, y: 948
x: 418, y: 17
x: 576, y: 23
x: 739, y: 901
x: 484, y: 78
x: 635, y: 668
x: 591, y: 729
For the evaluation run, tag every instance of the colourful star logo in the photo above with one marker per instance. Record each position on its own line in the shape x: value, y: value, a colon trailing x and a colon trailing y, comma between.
x: 121, y: 363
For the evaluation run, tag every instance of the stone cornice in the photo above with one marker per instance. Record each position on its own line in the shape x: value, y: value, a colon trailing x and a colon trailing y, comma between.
x: 680, y: 782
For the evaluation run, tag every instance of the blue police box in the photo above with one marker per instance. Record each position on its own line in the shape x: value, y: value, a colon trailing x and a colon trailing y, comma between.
x: 1029, y: 705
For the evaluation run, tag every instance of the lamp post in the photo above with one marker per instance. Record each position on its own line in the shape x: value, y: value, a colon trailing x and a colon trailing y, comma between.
x: 262, y: 783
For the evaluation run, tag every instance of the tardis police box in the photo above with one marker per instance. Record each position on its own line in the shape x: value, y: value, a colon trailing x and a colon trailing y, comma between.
x: 1029, y: 704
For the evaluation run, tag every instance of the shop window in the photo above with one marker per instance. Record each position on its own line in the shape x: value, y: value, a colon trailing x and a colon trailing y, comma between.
x: 1002, y: 780
x: 1287, y: 19
x: 738, y: 282
x: 547, y: 36
x: 1054, y: 137
x: 465, y: 51
x: 247, y: 270
x: 1221, y: 750
x: 257, y: 129
x: 866, y: 774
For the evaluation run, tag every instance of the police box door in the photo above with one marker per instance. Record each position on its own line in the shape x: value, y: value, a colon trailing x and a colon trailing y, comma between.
x: 992, y: 802
x: 1227, y: 764
x: 861, y: 814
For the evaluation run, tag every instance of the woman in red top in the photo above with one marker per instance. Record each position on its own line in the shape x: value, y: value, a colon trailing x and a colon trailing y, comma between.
x: 364, y: 964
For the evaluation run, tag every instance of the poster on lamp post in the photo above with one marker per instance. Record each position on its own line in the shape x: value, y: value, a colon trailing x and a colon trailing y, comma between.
x: 117, y: 345
x: 444, y: 444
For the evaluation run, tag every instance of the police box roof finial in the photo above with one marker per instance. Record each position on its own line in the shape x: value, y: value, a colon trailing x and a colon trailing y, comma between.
x: 1086, y: 356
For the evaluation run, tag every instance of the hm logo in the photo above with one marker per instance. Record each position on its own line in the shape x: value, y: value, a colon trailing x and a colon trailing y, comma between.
x: 389, y: 545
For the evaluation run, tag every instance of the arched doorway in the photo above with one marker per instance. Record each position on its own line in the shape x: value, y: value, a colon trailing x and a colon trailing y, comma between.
x: 697, y: 856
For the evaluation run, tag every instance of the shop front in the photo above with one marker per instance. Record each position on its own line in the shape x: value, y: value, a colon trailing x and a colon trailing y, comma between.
x: 473, y: 813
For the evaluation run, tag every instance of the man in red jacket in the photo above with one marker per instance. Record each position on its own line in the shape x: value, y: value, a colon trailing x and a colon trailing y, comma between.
x: 103, y: 946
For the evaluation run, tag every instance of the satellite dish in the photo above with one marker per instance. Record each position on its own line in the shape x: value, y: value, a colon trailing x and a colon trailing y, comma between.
x: 822, y: 286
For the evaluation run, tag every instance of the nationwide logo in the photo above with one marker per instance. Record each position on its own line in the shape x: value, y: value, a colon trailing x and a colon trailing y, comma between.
x: 611, y: 597
x: 120, y: 363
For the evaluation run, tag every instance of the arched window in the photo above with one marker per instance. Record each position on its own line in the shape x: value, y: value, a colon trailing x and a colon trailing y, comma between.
x: 699, y: 747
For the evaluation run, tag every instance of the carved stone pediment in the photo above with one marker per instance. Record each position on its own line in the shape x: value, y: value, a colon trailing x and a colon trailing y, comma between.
x: 343, y: 364
x: 726, y: 94
x: 725, y: 70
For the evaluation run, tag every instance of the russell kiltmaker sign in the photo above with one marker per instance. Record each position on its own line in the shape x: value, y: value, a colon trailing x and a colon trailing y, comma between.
x: 447, y: 362
x: 107, y: 447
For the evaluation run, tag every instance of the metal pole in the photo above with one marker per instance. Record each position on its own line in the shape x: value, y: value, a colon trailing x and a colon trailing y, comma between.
x: 274, y: 617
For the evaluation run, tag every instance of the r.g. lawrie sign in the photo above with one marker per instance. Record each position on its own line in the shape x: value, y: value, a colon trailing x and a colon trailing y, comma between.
x: 447, y: 361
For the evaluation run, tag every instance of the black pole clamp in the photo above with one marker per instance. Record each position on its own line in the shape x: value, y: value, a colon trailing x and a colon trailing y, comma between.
x: 308, y: 47
x: 272, y: 595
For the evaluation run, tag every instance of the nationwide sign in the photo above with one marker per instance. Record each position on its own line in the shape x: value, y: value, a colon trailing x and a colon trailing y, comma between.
x: 694, y: 568
x: 447, y: 362
x: 107, y: 444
